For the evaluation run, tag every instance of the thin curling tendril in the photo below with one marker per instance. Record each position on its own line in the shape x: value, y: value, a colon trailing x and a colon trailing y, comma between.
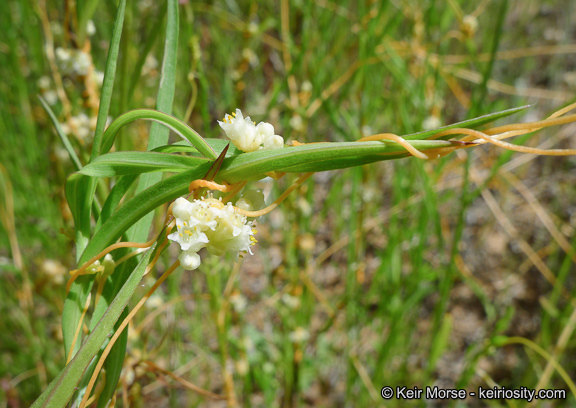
x: 398, y: 139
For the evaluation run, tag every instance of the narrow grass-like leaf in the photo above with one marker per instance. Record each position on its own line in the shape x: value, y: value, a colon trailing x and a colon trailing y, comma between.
x: 158, y: 136
x: 218, y: 145
x: 81, y: 190
x: 78, y: 197
x: 211, y: 174
x: 63, y: 386
x: 143, y: 53
x: 86, y: 13
x: 109, y: 75
x: 112, y: 365
x: 470, y: 123
x: 118, y: 191
x: 130, y: 163
x: 179, y: 127
x: 315, y: 157
x: 61, y: 134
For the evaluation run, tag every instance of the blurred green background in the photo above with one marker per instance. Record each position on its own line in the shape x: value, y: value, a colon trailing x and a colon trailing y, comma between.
x: 397, y: 273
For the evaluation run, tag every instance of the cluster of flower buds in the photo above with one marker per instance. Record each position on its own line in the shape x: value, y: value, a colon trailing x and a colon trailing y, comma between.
x: 249, y: 137
x: 208, y: 222
x: 211, y: 224
x: 80, y: 126
x: 73, y: 62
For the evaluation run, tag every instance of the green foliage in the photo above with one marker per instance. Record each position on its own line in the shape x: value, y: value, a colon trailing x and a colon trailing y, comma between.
x: 363, y: 277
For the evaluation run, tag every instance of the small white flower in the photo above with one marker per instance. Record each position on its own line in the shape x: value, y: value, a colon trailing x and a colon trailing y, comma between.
x: 73, y: 62
x: 53, y: 270
x: 79, y: 126
x: 154, y: 302
x: 208, y: 223
x: 81, y: 63
x: 247, y: 136
x: 299, y: 335
x: 238, y: 301
x: 44, y: 83
x: 90, y: 28
x: 150, y: 64
x: 233, y: 233
x: 297, y: 123
x: 293, y: 302
x: 189, y: 229
x: 98, y: 77
x: 271, y: 141
x: 252, y: 27
x: 51, y: 97
x: 63, y: 55
x: 242, y: 367
x: 109, y: 265
x: 469, y: 25
x: 251, y: 200
x: 189, y: 260
x: 431, y: 122
x: 306, y: 86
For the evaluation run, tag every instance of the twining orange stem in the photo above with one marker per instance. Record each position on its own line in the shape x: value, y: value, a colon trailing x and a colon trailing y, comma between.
x: 524, y: 149
x: 78, y: 328
x: 82, y: 269
x: 212, y: 185
x: 398, y: 139
x: 234, y: 191
x: 275, y: 204
x: 182, y: 381
x: 532, y: 126
x: 562, y: 111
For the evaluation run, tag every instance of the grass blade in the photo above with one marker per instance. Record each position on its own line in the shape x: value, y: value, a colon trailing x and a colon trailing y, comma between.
x: 132, y: 163
x: 61, y: 134
x: 62, y: 388
x: 81, y: 189
x: 158, y: 134
x: 109, y: 75
x: 179, y: 127
x: 470, y: 123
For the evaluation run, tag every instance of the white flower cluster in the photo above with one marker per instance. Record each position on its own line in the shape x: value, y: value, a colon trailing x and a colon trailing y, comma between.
x: 80, y: 126
x: 73, y: 62
x: 249, y: 137
x: 105, y: 268
x: 208, y: 223
x: 49, y: 95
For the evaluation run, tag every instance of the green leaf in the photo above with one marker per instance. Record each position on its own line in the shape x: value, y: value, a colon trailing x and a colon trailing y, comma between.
x: 158, y: 136
x: 218, y: 145
x: 179, y: 127
x: 470, y: 123
x: 109, y: 75
x: 86, y: 12
x: 63, y: 386
x: 116, y: 194
x: 61, y: 134
x: 130, y: 163
x: 315, y: 157
x: 113, y: 364
x: 145, y: 51
x: 80, y: 191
